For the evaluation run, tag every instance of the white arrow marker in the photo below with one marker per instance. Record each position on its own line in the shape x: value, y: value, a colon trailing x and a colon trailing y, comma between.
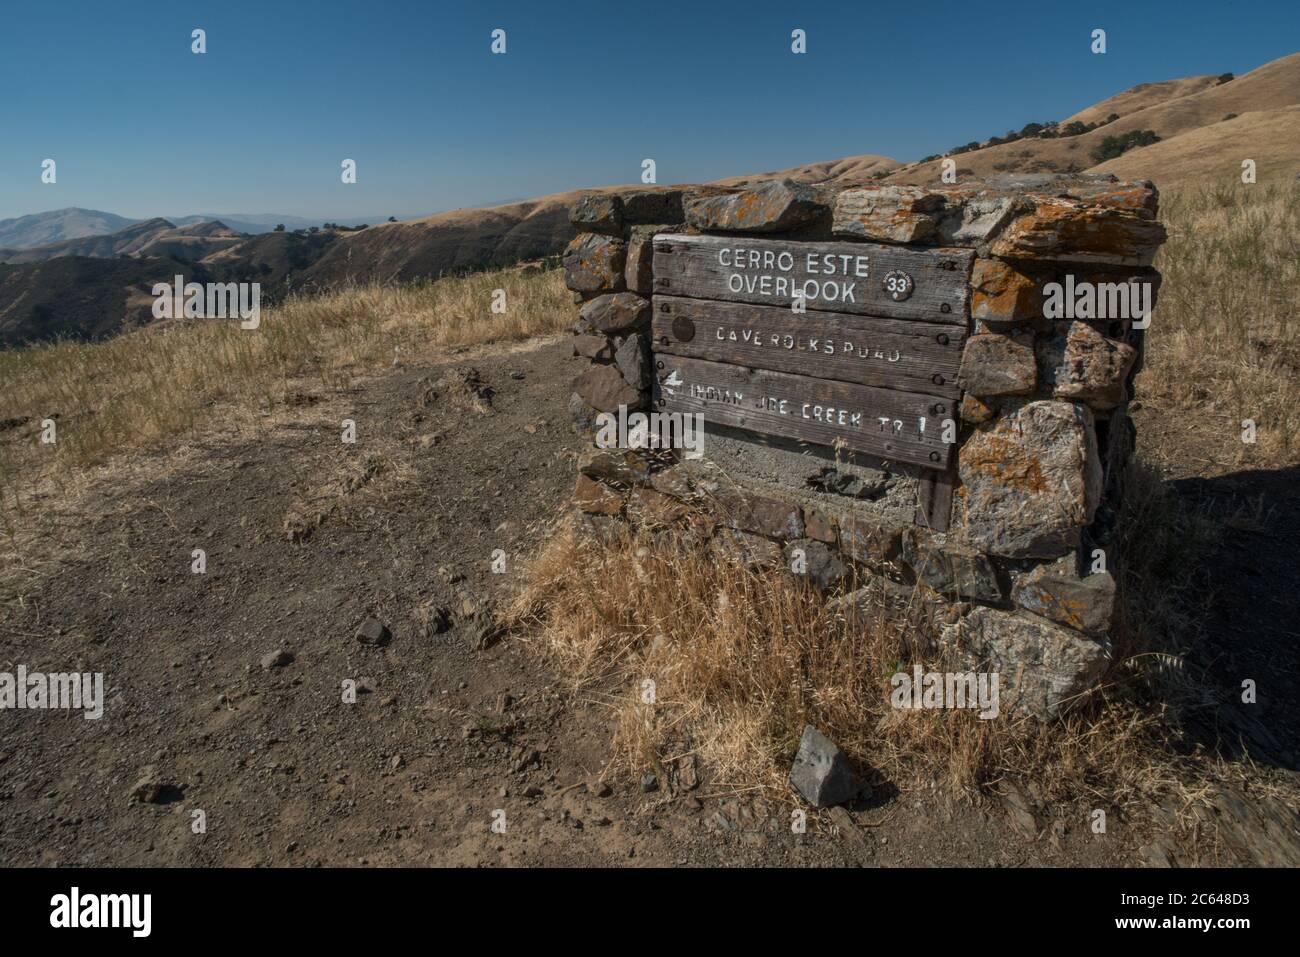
x: 674, y: 379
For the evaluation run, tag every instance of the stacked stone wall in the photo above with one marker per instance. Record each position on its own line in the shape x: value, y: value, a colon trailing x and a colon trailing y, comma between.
x: 1010, y: 548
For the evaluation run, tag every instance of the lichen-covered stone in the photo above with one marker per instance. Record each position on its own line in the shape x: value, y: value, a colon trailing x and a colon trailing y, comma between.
x: 996, y: 364
x: 1030, y: 482
x: 617, y: 313
x: 975, y: 411
x: 1041, y: 666
x: 653, y: 206
x: 638, y: 274
x: 866, y: 541
x: 973, y: 220
x: 744, y: 548
x: 1079, y: 363
x: 595, y: 348
x: 770, y: 206
x: 816, y: 561
x: 747, y: 512
x: 818, y: 525
x: 899, y: 214
x: 650, y: 507
x: 1059, y: 592
x: 1001, y: 294
x: 598, y: 213
x: 1072, y: 231
x: 625, y: 466
x: 605, y: 389
x: 950, y: 568
x: 633, y: 361
x: 596, y: 499
x: 594, y: 263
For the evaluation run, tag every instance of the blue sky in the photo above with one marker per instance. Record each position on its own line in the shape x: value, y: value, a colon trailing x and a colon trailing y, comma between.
x: 141, y: 126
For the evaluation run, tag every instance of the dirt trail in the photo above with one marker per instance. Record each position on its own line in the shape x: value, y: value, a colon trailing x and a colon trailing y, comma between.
x: 305, y: 537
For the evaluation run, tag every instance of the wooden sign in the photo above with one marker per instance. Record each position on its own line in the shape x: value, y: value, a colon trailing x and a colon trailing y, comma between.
x: 890, y: 353
x: 903, y: 426
x: 924, y: 285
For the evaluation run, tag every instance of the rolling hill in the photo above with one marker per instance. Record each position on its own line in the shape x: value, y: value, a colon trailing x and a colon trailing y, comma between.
x: 150, y: 237
x: 1205, y: 125
x: 41, y: 229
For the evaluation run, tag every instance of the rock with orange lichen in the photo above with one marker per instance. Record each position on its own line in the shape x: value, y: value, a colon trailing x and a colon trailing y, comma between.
x: 1071, y: 230
x: 773, y: 206
x: 594, y: 263
x: 1001, y: 294
x: 598, y: 213
x: 1030, y: 483
x: 1057, y: 591
x: 899, y: 214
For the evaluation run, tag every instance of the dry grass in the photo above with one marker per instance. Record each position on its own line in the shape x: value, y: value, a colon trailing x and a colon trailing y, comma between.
x: 1224, y: 343
x: 153, y: 387
x: 741, y: 659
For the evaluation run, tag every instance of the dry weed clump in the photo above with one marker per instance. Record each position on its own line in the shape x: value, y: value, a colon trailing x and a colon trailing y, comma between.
x: 737, y: 659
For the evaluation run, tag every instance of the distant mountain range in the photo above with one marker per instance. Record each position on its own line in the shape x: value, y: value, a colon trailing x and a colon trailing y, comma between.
x: 84, y: 273
x: 57, y: 225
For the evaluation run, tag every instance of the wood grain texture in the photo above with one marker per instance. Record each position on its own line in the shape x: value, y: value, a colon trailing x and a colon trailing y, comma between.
x: 889, y: 353
x: 934, y: 506
x: 819, y: 411
x: 834, y: 277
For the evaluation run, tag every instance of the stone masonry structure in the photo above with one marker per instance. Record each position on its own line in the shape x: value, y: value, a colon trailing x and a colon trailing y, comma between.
x: 926, y: 385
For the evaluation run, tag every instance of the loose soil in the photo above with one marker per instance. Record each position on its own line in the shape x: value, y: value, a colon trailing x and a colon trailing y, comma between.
x: 306, y: 537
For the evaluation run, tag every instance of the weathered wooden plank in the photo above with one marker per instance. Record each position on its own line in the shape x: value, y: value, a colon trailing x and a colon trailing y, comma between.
x: 902, y: 426
x: 890, y: 353
x: 862, y: 278
x: 934, y: 508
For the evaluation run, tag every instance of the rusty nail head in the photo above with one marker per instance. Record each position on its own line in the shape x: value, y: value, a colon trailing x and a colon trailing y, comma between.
x: 945, y: 308
x: 937, y: 379
x: 934, y: 456
x: 942, y: 339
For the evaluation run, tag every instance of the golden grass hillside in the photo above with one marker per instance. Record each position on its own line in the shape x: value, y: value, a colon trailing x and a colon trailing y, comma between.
x: 155, y: 386
x: 1176, y: 111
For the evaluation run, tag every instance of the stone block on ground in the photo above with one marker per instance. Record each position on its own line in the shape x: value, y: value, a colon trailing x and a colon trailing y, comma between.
x: 821, y: 772
x: 815, y: 561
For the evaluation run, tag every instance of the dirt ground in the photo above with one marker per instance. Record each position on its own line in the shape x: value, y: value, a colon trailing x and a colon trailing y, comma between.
x: 306, y: 537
